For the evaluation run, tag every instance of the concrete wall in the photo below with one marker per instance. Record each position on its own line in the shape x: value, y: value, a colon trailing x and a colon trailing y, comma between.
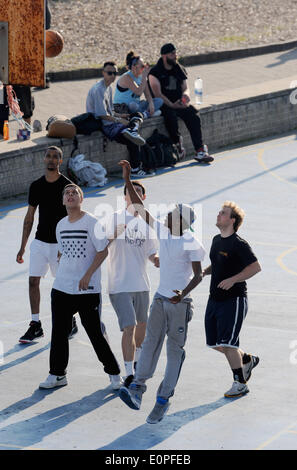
x: 222, y: 125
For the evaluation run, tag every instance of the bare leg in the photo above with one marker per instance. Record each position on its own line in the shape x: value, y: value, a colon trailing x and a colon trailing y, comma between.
x: 128, y: 343
x: 140, y: 334
x: 34, y: 294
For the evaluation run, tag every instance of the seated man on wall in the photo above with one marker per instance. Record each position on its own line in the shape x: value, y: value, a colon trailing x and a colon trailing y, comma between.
x: 122, y: 128
x: 168, y: 80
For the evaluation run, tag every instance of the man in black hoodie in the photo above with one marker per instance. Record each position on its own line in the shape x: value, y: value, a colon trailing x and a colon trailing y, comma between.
x: 168, y: 80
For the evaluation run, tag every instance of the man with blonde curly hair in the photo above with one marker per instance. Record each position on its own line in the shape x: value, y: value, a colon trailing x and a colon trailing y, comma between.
x: 232, y: 263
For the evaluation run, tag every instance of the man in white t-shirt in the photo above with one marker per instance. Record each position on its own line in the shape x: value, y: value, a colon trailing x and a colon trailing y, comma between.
x: 180, y: 257
x: 128, y: 282
x: 77, y: 288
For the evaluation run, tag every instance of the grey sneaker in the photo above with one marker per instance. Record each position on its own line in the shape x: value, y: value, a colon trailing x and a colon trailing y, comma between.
x: 37, y: 126
x: 157, y: 413
x: 237, y: 390
x: 133, y: 136
x: 247, y: 368
x: 132, y: 395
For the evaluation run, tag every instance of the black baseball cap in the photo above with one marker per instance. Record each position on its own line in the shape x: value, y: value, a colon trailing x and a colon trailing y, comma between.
x: 167, y: 48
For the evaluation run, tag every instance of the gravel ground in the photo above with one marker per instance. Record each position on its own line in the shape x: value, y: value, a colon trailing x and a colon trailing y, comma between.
x: 97, y: 30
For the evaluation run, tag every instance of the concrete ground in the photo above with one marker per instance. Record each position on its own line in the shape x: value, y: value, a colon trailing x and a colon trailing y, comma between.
x: 260, y: 177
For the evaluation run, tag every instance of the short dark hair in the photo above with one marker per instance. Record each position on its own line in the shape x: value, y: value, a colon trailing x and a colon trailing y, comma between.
x: 135, y: 183
x: 57, y: 149
x: 110, y: 62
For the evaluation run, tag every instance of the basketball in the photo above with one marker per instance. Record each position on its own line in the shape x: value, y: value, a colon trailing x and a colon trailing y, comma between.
x: 54, y: 43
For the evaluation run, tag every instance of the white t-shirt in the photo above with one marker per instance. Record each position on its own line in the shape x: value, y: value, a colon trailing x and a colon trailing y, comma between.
x: 78, y: 243
x: 128, y: 254
x: 176, y: 256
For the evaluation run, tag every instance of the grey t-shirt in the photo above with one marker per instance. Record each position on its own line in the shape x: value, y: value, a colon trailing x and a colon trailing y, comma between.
x: 99, y: 101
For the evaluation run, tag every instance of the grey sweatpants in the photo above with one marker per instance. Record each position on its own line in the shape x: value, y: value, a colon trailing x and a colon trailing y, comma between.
x: 165, y: 319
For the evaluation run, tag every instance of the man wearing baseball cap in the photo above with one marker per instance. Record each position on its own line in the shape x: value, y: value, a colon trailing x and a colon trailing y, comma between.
x: 180, y: 256
x: 168, y: 80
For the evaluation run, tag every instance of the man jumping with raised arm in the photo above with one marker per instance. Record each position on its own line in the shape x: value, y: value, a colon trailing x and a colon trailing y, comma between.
x: 180, y: 257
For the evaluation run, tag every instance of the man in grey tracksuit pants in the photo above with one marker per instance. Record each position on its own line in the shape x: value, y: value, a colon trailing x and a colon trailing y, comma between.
x: 180, y: 257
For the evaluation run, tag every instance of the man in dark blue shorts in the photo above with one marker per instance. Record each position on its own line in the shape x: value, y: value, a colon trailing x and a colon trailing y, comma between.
x: 232, y: 263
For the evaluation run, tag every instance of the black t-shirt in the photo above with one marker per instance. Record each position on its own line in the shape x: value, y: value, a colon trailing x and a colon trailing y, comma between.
x: 48, y: 196
x: 170, y: 80
x: 229, y: 256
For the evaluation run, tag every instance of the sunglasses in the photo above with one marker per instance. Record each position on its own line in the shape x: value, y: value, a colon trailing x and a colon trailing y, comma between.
x: 110, y: 73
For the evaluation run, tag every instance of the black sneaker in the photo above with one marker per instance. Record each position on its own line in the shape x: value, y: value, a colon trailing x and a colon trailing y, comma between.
x: 35, y: 331
x: 128, y: 380
x: 74, y: 329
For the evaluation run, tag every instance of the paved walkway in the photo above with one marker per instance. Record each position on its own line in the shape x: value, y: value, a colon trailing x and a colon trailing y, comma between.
x: 224, y: 81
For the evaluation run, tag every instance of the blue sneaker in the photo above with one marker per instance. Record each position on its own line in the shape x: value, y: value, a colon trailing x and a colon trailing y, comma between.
x: 132, y: 395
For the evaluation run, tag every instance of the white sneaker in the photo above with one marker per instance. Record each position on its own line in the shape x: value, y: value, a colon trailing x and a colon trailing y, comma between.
x: 157, y: 113
x: 237, y: 390
x: 247, y: 368
x: 116, y: 382
x: 202, y: 155
x: 142, y: 174
x: 53, y: 381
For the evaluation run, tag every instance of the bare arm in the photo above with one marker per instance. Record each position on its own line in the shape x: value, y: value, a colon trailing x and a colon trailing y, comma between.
x: 196, y: 279
x: 98, y: 260
x: 127, y: 81
x: 207, y: 271
x: 245, y: 274
x: 27, y: 227
x: 156, y: 88
x: 135, y: 199
x: 185, y: 92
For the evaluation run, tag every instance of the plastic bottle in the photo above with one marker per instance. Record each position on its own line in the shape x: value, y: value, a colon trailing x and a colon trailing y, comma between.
x: 198, y: 90
x: 5, y: 130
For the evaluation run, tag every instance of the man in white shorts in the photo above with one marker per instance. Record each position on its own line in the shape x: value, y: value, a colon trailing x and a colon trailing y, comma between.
x: 46, y: 194
x: 128, y: 282
x: 180, y: 257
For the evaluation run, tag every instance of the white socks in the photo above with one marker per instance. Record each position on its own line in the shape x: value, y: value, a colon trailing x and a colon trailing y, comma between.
x: 35, y: 317
x: 129, y: 368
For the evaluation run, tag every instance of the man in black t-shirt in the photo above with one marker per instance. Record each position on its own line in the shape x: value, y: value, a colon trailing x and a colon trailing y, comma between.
x: 168, y: 80
x: 46, y: 194
x: 232, y: 263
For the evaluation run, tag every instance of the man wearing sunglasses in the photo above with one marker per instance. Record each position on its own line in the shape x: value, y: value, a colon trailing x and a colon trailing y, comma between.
x: 168, y: 80
x: 122, y: 128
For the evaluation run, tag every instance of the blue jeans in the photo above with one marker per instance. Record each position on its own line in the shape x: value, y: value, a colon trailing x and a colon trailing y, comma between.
x: 143, y: 105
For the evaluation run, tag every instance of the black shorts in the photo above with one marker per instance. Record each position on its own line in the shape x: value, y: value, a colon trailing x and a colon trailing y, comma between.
x: 223, y: 321
x: 26, y: 100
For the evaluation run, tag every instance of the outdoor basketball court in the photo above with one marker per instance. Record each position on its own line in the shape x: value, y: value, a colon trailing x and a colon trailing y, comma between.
x: 261, y: 178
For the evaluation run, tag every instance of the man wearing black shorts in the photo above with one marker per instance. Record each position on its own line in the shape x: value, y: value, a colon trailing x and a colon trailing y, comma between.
x: 232, y: 263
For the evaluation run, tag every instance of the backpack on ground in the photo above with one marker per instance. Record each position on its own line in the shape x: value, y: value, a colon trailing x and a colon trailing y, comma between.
x: 165, y: 152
